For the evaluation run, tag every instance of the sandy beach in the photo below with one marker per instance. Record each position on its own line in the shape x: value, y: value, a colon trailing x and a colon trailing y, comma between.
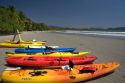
x: 106, y: 50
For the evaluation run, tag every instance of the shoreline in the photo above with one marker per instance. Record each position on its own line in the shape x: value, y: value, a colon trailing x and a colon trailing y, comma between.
x: 94, y: 35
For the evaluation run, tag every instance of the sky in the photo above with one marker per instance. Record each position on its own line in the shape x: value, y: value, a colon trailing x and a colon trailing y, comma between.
x: 73, y: 13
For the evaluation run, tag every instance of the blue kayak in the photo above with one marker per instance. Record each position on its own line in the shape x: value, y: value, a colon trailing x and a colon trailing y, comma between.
x: 36, y: 50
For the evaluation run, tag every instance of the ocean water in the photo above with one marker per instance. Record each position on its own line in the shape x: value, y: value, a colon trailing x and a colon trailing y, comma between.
x: 118, y: 35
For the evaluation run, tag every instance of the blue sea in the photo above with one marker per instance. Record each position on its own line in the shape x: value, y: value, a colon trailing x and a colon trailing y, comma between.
x: 104, y: 34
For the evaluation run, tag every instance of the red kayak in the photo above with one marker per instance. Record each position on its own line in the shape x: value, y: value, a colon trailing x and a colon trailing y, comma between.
x: 39, y: 61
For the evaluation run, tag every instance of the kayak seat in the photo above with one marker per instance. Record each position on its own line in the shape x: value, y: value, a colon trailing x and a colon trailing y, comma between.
x: 72, y: 77
x: 59, y: 59
x: 30, y: 58
x: 75, y: 52
x: 37, y: 73
x: 87, y: 69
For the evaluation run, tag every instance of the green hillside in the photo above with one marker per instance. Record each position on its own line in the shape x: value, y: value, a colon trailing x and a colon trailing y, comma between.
x: 11, y: 19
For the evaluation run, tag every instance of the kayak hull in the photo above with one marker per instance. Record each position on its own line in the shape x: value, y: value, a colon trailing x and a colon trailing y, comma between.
x: 57, y: 75
x: 53, y: 54
x: 36, y: 50
x: 39, y: 61
x: 21, y: 45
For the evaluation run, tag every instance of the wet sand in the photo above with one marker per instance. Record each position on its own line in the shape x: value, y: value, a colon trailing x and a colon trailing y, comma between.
x: 106, y: 50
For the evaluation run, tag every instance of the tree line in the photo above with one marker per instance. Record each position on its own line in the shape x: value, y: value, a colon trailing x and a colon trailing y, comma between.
x: 11, y: 19
x: 118, y: 29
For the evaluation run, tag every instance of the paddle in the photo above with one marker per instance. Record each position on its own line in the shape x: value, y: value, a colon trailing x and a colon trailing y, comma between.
x: 71, y: 65
x: 50, y: 48
x: 8, y: 52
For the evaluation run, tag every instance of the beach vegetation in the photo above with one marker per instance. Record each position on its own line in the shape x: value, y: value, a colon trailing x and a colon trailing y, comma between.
x: 12, y: 19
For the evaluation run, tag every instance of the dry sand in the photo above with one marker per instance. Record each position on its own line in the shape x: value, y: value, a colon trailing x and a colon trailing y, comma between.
x: 106, y: 49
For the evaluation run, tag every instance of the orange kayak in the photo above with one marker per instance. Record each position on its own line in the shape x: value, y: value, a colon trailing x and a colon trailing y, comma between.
x: 77, y: 74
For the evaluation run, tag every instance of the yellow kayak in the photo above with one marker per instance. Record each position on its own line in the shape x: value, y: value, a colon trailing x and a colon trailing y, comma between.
x: 77, y: 74
x: 55, y: 54
x: 20, y: 43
